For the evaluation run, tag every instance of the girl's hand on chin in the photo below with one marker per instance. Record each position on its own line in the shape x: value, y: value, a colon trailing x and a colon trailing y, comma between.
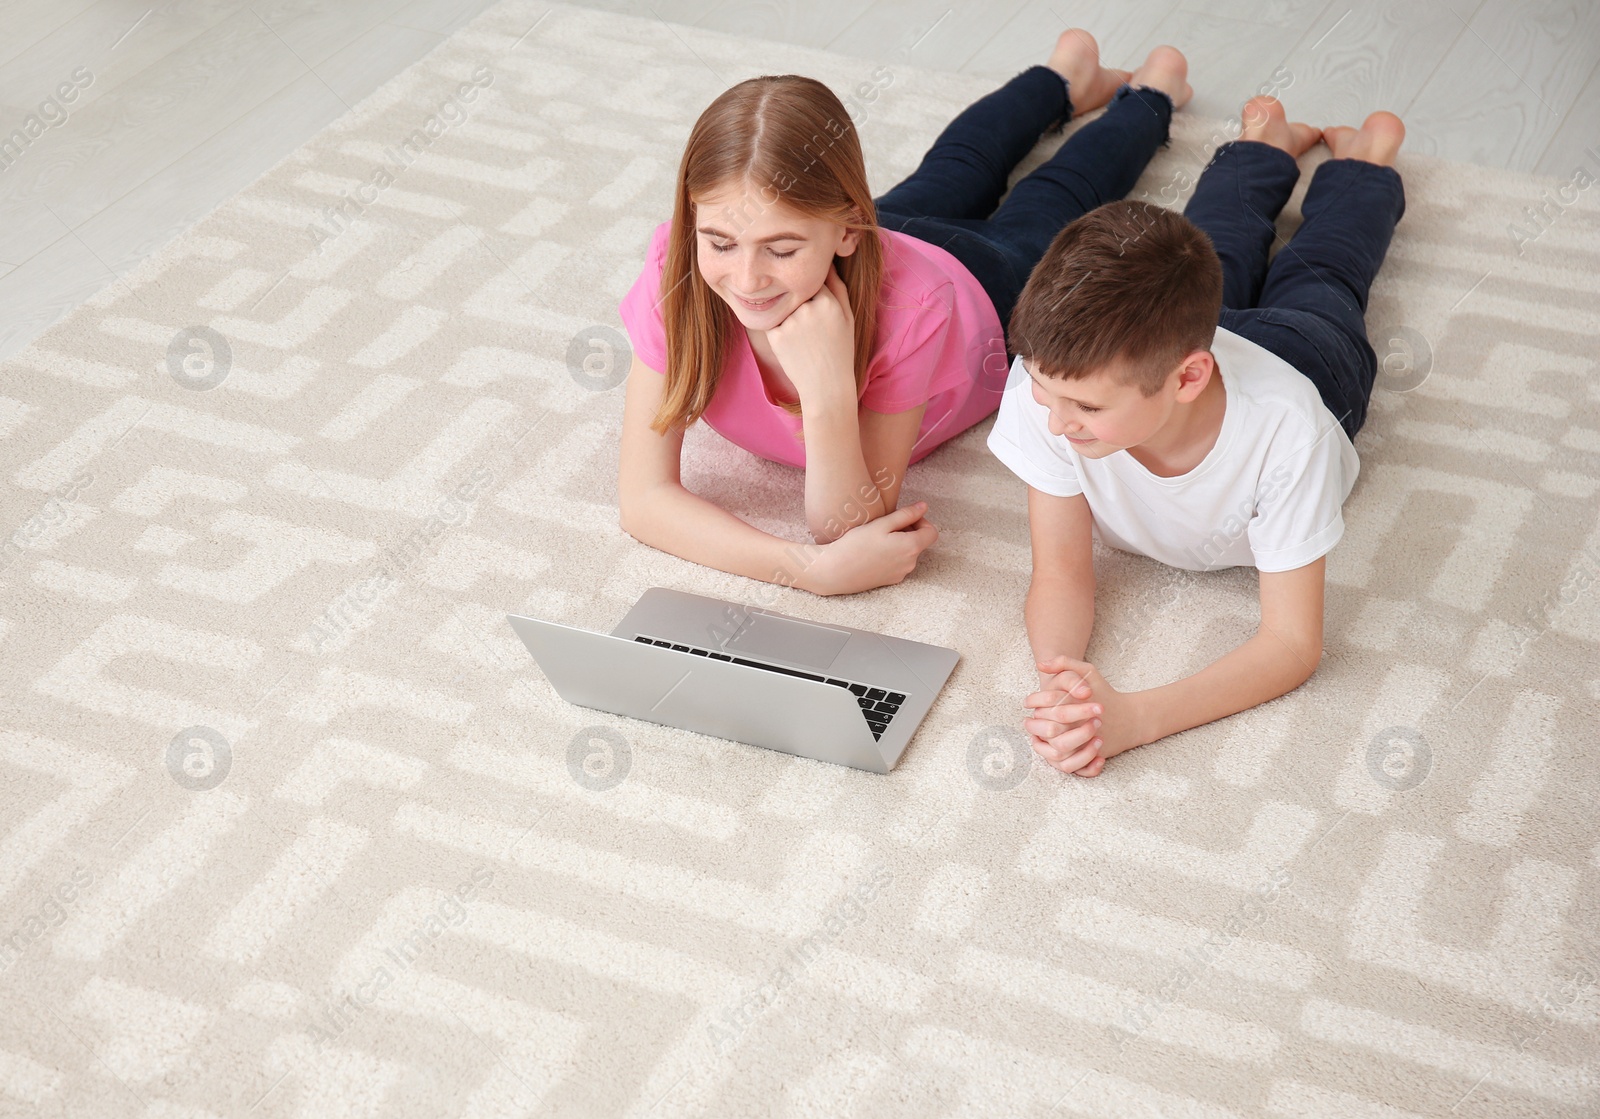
x: 876, y: 554
x: 815, y: 345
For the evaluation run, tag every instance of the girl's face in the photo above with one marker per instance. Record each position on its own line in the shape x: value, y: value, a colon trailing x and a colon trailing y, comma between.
x: 761, y: 256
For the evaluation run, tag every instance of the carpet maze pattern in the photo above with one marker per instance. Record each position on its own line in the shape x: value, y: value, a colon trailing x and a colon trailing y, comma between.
x: 292, y: 825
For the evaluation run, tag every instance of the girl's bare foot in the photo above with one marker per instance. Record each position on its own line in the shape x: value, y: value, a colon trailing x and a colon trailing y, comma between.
x: 1167, y: 70
x: 1077, y: 59
x: 1265, y: 122
x: 1377, y: 141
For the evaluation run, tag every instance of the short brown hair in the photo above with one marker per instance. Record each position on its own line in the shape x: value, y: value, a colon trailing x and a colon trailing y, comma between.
x: 1129, y: 280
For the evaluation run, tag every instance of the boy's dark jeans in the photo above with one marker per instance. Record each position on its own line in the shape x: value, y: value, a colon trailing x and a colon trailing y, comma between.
x: 950, y: 200
x: 1309, y: 306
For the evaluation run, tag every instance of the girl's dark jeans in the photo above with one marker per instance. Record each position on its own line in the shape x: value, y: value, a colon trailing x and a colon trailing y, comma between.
x: 1309, y: 305
x: 951, y: 199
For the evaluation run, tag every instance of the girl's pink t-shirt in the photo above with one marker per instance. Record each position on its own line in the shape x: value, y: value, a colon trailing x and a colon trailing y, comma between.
x: 938, y: 342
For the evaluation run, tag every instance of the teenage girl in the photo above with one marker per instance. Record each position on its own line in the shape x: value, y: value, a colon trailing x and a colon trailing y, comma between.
x: 848, y: 336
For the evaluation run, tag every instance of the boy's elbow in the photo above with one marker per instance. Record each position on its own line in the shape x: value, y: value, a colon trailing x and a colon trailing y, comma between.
x: 1063, y: 581
x: 1307, y: 656
x: 1291, y: 658
x: 1313, y: 659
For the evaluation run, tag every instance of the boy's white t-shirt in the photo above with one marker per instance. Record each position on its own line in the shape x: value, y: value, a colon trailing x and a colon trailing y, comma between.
x: 1267, y: 495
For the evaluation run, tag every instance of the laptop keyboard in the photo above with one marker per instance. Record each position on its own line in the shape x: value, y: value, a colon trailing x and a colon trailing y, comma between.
x: 878, y: 706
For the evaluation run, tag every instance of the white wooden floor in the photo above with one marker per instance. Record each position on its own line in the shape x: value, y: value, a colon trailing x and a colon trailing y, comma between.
x: 181, y: 104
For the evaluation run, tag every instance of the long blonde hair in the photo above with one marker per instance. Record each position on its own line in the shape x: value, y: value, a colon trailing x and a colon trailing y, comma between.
x: 792, y: 140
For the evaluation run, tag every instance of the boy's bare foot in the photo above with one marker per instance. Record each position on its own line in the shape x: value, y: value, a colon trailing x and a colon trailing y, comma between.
x: 1265, y: 122
x: 1077, y: 59
x: 1167, y: 70
x: 1377, y: 141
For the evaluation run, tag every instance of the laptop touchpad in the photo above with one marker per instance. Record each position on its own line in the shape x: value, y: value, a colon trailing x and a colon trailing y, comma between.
x: 764, y: 636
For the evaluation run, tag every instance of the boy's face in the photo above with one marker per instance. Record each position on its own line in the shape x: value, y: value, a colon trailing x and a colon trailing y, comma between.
x: 763, y: 257
x: 1100, y: 414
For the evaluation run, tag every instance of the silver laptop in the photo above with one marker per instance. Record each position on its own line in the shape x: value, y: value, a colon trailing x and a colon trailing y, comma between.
x: 829, y: 692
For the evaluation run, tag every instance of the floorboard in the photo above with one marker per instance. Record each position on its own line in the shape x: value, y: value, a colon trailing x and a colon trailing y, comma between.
x: 1509, y: 80
x: 191, y: 100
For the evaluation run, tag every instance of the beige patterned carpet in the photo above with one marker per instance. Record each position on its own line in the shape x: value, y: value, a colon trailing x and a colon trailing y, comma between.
x: 292, y: 826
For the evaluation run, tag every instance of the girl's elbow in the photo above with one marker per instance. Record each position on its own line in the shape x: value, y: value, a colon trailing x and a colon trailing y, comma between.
x: 642, y: 505
x: 630, y: 517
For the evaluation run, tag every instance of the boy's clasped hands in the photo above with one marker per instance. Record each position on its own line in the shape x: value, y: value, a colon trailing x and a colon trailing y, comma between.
x: 1078, y: 720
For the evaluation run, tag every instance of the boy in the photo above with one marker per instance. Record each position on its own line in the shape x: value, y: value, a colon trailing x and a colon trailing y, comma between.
x: 1131, y: 413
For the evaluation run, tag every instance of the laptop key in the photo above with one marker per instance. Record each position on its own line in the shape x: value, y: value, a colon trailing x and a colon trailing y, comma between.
x: 866, y: 704
x: 886, y: 707
x: 858, y: 689
x: 896, y: 697
x: 700, y: 652
x: 876, y: 693
x: 778, y: 669
x: 719, y: 656
x: 877, y: 728
x: 839, y: 683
